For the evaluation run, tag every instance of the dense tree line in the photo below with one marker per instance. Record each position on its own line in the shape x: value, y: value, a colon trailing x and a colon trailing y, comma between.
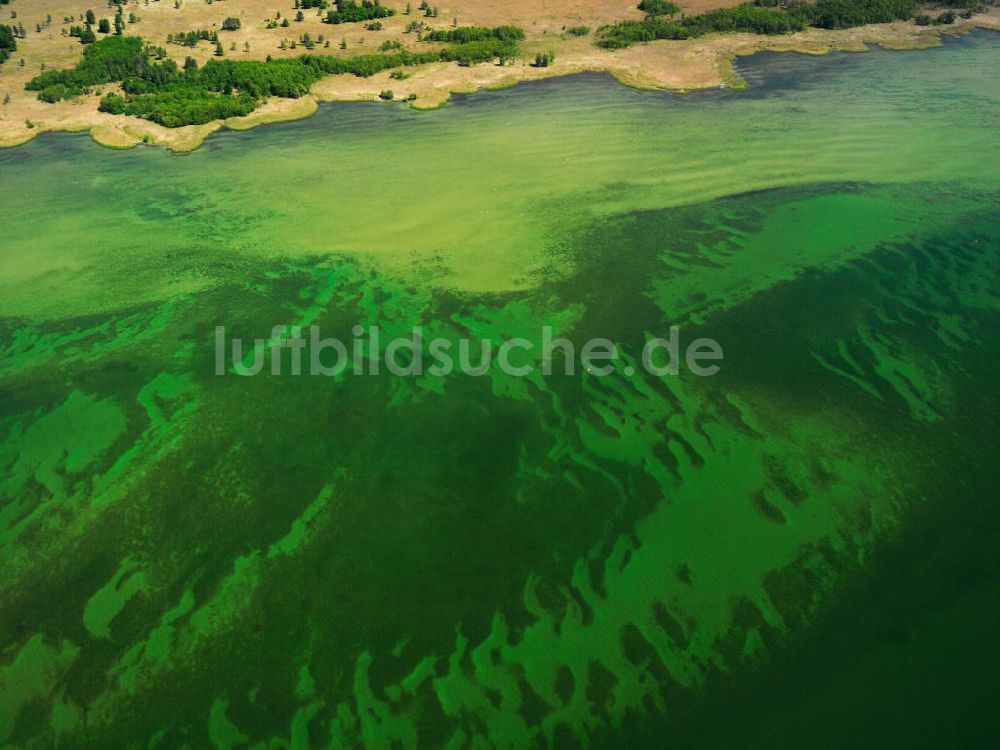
x: 180, y: 106
x: 473, y: 44
x: 744, y: 17
x: 463, y: 34
x: 845, y: 14
x: 349, y: 11
x: 162, y: 92
x: 8, y: 43
x: 191, y: 38
x: 659, y: 7
x: 479, y: 51
x: 756, y: 17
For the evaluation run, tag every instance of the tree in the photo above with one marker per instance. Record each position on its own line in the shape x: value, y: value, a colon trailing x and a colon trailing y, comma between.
x: 91, y: 18
x: 119, y: 23
x: 544, y: 59
x: 219, y: 52
x: 104, y: 26
x: 8, y: 43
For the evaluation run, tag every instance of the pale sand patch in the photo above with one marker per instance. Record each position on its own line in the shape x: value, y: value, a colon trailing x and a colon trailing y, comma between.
x: 682, y: 65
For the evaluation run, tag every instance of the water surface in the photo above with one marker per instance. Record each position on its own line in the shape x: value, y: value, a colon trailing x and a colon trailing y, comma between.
x: 194, y: 561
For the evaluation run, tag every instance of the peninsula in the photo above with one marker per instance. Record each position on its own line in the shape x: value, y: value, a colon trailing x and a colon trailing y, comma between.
x: 171, y: 72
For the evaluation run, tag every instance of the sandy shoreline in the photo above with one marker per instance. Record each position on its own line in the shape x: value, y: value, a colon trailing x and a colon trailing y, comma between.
x: 688, y: 65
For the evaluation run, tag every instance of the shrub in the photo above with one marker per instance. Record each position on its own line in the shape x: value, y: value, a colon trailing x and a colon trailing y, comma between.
x: 56, y: 92
x: 113, y: 104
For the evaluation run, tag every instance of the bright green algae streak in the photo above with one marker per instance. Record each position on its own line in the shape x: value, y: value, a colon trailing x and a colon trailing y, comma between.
x: 195, y: 561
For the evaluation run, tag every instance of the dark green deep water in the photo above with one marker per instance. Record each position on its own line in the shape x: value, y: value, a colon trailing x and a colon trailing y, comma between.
x: 800, y: 551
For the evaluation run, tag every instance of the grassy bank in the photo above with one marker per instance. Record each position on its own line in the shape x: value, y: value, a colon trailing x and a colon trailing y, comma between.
x: 174, y: 96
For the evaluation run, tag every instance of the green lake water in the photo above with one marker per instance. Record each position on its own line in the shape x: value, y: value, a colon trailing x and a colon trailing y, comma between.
x: 800, y: 551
